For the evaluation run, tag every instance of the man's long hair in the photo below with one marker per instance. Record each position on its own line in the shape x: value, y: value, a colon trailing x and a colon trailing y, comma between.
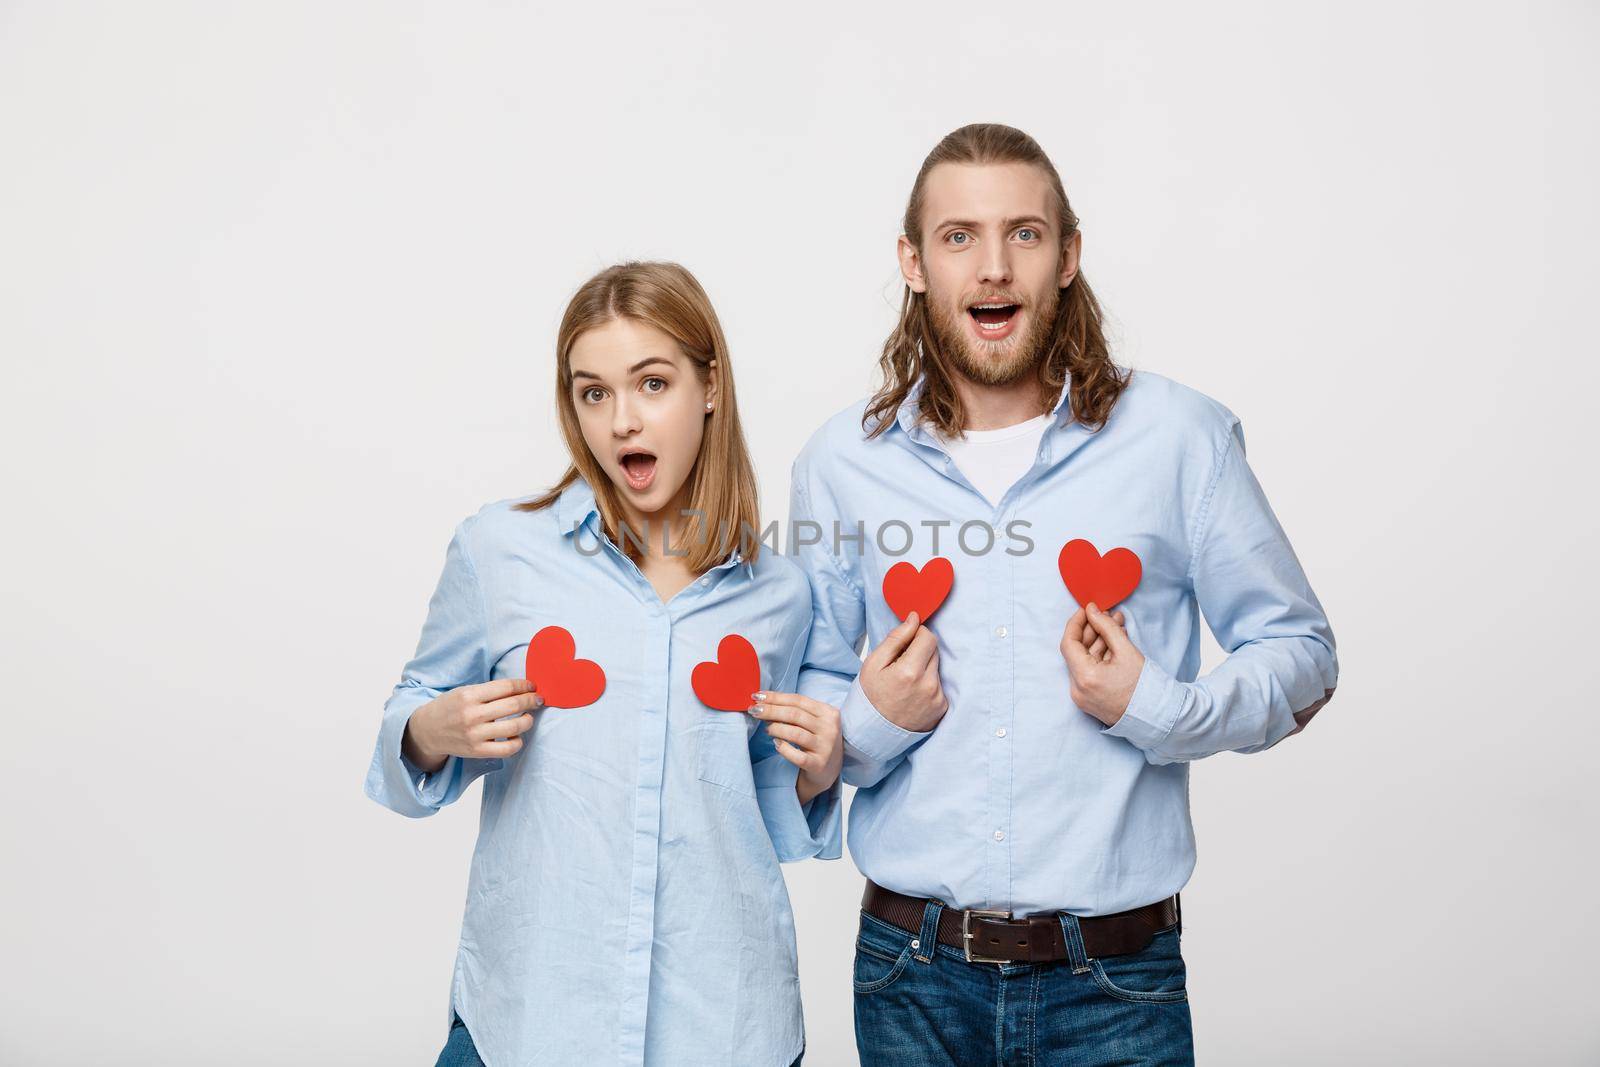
x: 1075, y: 350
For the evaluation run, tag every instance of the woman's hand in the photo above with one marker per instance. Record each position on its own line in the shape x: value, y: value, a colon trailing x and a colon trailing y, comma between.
x: 463, y: 722
x: 806, y: 733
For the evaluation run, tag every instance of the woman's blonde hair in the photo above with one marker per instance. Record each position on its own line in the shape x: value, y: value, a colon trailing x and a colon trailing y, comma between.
x: 722, y: 482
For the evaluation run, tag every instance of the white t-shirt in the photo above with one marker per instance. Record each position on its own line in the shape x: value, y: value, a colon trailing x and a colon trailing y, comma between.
x: 993, y: 460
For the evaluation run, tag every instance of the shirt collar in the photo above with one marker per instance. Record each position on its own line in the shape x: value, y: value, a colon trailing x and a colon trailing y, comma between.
x: 576, y: 507
x: 907, y: 414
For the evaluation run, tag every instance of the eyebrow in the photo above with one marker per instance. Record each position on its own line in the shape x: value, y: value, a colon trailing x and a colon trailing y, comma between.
x: 631, y: 370
x: 1009, y: 224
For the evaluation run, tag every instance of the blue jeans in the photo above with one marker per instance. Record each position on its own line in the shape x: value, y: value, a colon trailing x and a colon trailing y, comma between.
x: 459, y: 1051
x: 921, y: 1003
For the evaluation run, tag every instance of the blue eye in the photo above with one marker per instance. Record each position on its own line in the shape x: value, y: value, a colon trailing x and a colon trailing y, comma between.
x: 958, y: 238
x: 1026, y: 233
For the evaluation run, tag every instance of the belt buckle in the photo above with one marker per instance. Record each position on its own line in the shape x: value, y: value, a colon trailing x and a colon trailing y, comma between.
x: 967, y: 935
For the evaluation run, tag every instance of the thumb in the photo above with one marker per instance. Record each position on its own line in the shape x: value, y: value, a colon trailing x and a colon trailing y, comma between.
x: 896, y: 640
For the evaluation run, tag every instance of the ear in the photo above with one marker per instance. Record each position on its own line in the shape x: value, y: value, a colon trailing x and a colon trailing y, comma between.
x: 1070, y: 251
x: 711, y: 387
x: 911, y: 265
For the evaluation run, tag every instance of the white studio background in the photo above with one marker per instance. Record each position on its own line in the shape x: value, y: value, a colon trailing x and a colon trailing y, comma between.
x: 279, y: 285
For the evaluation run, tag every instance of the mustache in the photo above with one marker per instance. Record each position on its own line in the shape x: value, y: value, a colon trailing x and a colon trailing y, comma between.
x: 993, y: 298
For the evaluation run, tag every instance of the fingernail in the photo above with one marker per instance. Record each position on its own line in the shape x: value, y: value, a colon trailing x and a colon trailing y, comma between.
x: 755, y: 709
x: 1092, y: 609
x: 758, y: 696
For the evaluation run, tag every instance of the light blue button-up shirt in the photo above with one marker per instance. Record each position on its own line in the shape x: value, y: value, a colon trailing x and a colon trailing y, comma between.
x: 1017, y: 800
x: 625, y: 903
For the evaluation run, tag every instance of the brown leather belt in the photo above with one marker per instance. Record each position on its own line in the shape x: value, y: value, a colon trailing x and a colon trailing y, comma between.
x: 995, y: 937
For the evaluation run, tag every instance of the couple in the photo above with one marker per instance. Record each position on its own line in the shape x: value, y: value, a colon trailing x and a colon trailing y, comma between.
x: 1021, y: 759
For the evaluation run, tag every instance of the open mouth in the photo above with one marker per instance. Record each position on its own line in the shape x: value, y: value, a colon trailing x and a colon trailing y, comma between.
x: 639, y: 467
x: 993, y: 320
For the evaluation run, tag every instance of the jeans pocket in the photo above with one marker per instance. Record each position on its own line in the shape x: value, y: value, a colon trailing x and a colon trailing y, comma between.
x: 1154, y: 975
x: 882, y: 954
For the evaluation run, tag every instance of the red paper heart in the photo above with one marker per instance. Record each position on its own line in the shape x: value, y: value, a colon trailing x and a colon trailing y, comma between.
x: 1106, y: 579
x: 907, y: 589
x: 563, y: 681
x: 727, y: 682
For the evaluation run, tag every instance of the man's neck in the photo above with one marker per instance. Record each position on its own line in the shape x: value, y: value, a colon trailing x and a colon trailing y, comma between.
x: 994, y: 407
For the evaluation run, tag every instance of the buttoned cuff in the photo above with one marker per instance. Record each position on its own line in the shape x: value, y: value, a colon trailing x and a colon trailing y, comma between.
x: 1153, y: 709
x: 798, y: 832
x: 869, y: 733
x: 430, y: 787
x: 397, y: 783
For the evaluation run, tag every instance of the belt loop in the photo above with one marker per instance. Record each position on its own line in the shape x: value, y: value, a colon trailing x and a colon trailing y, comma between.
x: 1072, y: 935
x: 928, y: 937
x: 1179, y: 898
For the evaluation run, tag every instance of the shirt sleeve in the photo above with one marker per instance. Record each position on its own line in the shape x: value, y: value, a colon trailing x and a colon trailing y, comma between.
x: 451, y: 652
x: 798, y: 831
x: 1282, y: 664
x: 829, y: 671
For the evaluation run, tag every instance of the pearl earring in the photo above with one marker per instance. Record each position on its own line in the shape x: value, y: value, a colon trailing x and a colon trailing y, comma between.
x: 708, y: 405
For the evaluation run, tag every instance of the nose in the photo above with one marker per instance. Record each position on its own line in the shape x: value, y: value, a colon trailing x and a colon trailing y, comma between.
x: 994, y: 267
x: 625, y: 418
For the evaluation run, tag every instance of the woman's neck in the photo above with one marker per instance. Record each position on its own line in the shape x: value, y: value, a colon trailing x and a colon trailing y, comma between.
x: 660, y: 528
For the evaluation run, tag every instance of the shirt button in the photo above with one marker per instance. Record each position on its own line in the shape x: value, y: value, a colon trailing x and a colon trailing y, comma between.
x: 1000, y: 631
x: 705, y: 581
x: 999, y: 835
x: 1000, y: 732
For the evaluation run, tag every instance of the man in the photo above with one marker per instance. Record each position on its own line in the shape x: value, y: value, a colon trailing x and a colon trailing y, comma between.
x: 1021, y: 757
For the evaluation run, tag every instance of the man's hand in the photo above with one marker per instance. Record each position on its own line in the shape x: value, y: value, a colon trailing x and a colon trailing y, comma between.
x: 1103, y: 663
x: 463, y: 722
x: 806, y: 733
x: 901, y: 677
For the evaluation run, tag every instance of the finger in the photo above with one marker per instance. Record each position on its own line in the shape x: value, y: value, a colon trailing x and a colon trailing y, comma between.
x: 789, y: 752
x: 769, y: 711
x: 512, y: 705
x: 1108, y: 628
x: 921, y: 649
x: 794, y: 735
x: 895, y: 641
x: 500, y: 688
x: 1098, y: 649
x: 1097, y: 625
x: 794, y: 700
x: 1077, y: 655
x: 499, y: 729
x: 499, y: 749
x: 1075, y: 627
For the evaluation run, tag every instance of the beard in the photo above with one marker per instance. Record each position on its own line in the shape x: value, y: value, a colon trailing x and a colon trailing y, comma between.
x: 993, y: 363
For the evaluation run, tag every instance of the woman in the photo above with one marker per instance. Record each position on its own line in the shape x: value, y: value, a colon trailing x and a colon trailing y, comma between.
x: 625, y: 904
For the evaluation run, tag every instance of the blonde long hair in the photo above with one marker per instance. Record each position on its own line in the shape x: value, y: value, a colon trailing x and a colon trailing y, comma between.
x: 722, y: 480
x: 1076, y: 348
